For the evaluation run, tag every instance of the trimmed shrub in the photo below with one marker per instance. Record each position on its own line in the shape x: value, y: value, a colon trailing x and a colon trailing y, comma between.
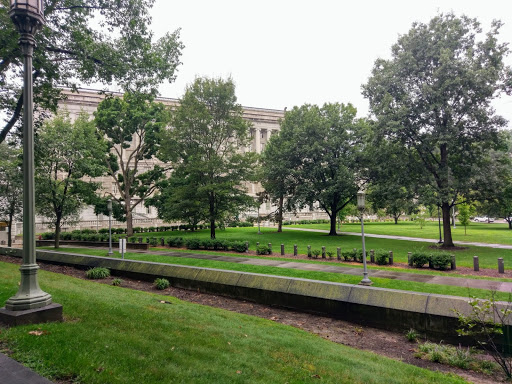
x: 381, y: 257
x: 419, y: 259
x: 316, y: 253
x: 161, y: 283
x: 262, y: 250
x: 330, y: 254
x: 97, y: 273
x: 103, y: 230
x: 441, y: 260
x: 238, y: 246
x: 347, y: 255
x: 153, y: 241
x: 207, y: 243
x: 48, y: 235
x: 132, y: 239
x: 117, y: 282
x: 192, y: 243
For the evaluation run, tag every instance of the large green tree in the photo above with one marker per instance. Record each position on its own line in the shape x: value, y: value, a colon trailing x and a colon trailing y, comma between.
x: 205, y: 141
x: 67, y: 153
x: 131, y: 125
x: 434, y: 97
x: 83, y: 42
x: 327, y: 160
x: 11, y: 186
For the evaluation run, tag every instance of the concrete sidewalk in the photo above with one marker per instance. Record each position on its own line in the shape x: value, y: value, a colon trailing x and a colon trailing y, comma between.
x: 12, y: 372
x: 386, y: 274
x: 405, y: 238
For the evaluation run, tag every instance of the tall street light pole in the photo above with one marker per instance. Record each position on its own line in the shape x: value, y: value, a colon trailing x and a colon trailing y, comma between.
x: 30, y: 304
x: 361, y: 206
x: 109, y: 207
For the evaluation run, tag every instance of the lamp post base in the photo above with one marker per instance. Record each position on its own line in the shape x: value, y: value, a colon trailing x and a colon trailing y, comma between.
x: 366, y: 282
x: 47, y: 314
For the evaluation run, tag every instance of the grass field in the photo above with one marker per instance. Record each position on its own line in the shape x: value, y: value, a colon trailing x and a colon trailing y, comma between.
x: 304, y: 274
x: 115, y: 335
x: 488, y: 256
x: 494, y: 233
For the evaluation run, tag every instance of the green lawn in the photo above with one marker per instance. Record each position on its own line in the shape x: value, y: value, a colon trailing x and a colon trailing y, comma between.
x: 488, y: 256
x: 115, y: 335
x: 494, y: 233
x: 289, y: 272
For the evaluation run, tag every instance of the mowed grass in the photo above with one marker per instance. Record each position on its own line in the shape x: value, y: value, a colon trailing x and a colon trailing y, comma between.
x: 304, y: 274
x: 493, y: 233
x: 117, y: 335
x: 488, y: 256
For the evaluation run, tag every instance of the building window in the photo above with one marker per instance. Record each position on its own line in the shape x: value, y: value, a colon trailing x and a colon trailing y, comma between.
x: 148, y: 210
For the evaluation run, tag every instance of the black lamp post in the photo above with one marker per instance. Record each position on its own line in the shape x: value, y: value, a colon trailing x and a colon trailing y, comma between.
x: 109, y: 207
x: 30, y: 304
x: 361, y: 206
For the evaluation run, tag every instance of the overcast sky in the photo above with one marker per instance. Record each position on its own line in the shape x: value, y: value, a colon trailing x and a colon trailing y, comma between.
x: 283, y: 53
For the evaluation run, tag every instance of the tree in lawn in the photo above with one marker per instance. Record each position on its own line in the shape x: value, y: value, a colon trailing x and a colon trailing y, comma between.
x: 11, y: 186
x: 66, y: 154
x: 100, y: 41
x: 277, y: 172
x: 329, y: 148
x: 204, y: 144
x: 465, y: 210
x: 434, y: 98
x: 131, y: 125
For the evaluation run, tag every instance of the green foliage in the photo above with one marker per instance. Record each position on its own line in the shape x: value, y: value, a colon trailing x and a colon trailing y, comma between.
x: 316, y: 253
x: 411, y: 335
x: 447, y: 72
x: 465, y: 211
x: 262, y: 250
x: 381, y: 257
x: 208, y: 131
x: 238, y: 246
x: 441, y: 260
x: 117, y: 282
x: 65, y: 153
x: 459, y: 357
x: 330, y: 254
x: 489, y: 324
x: 419, y: 259
x: 192, y: 243
x: 153, y: 241
x: 11, y: 186
x: 97, y: 273
x: 161, y: 283
x: 175, y: 241
x: 83, y: 42
x: 120, y: 121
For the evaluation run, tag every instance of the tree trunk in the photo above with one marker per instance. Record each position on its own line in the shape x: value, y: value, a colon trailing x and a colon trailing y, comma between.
x: 57, y: 232
x: 280, y: 214
x: 396, y: 219
x: 212, y: 228
x: 447, y: 228
x: 9, y: 232
x: 129, y: 223
x: 509, y: 224
x: 332, y: 231
x: 211, y: 201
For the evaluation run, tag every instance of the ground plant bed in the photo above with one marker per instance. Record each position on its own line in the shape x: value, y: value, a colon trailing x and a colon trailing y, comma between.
x: 389, y: 344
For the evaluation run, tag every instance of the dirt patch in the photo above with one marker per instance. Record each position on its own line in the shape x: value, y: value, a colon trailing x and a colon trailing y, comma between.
x: 389, y: 344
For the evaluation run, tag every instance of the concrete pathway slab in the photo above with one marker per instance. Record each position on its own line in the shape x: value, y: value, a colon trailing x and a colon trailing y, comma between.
x: 12, y: 372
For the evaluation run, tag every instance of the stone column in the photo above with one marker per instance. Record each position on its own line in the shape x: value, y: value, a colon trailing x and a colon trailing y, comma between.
x: 257, y: 133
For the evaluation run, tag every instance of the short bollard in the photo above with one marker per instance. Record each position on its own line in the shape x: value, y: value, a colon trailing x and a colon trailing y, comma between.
x: 258, y: 244
x: 294, y: 249
x: 476, y: 264
x: 140, y: 239
x: 282, y: 249
x: 323, y: 252
x: 309, y: 251
x: 430, y: 265
x: 269, y: 248
x: 372, y: 256
x: 409, y: 254
x: 501, y: 265
x: 246, y: 246
x: 162, y: 241
x: 390, y: 257
x: 355, y: 254
x: 338, y: 253
x: 452, y: 264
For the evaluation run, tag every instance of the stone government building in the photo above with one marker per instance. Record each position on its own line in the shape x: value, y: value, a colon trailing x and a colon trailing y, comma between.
x: 265, y: 123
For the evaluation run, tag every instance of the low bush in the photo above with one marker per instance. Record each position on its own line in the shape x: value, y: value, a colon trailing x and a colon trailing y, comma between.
x: 441, y: 261
x: 316, y: 253
x: 238, y: 246
x: 161, y: 283
x: 132, y: 239
x: 192, y: 243
x: 97, y: 273
x: 117, y: 282
x: 381, y: 257
x: 262, y: 250
x: 48, y: 235
x: 103, y: 230
x: 153, y: 241
x: 419, y: 259
x: 330, y: 254
x: 411, y: 335
x: 347, y: 255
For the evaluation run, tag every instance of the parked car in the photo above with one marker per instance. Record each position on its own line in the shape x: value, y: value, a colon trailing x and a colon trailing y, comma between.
x: 483, y: 219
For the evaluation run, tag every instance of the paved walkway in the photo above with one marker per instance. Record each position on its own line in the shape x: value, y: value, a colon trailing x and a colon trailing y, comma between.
x: 387, y: 274
x: 12, y: 372
x: 405, y: 238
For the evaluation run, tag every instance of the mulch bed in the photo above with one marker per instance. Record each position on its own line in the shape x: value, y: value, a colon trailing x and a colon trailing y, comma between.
x: 389, y: 344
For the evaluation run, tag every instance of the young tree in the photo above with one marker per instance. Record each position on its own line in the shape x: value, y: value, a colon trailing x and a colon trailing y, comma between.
x: 204, y: 143
x: 11, y: 186
x: 434, y: 98
x: 464, y: 215
x: 327, y: 156
x: 85, y: 41
x: 65, y: 153
x: 131, y: 126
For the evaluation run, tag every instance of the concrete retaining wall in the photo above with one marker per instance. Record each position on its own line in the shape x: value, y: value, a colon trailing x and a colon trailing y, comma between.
x: 377, y: 307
